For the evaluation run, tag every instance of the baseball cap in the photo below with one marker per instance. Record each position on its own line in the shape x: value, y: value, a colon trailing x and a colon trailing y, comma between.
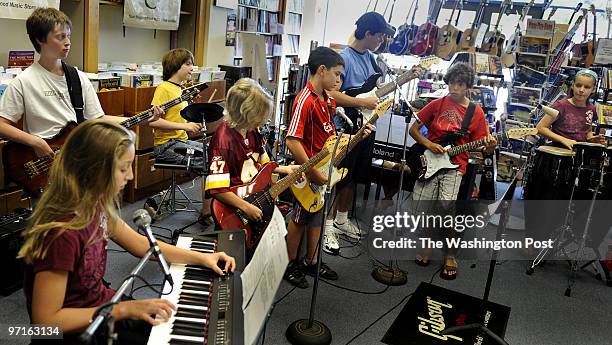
x: 374, y: 22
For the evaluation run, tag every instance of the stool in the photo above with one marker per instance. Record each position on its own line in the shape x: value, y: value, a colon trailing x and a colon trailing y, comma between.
x: 169, y: 200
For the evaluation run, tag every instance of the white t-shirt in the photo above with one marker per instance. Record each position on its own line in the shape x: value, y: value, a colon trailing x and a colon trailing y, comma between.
x: 42, y: 98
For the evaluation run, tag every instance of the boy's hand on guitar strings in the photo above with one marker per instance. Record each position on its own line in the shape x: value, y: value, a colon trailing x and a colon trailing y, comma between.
x: 41, y: 148
x: 158, y: 112
x: 252, y: 211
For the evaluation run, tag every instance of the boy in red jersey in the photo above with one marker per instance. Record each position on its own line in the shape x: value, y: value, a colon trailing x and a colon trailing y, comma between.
x: 311, y: 125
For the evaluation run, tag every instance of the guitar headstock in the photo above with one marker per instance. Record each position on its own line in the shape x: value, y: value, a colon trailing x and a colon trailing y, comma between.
x: 428, y: 61
x: 520, y: 133
x: 383, y: 106
x: 526, y: 8
x: 192, y: 91
x: 593, y: 10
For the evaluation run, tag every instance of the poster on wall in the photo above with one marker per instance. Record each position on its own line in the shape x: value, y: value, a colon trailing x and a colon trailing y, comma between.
x: 230, y: 29
x: 21, y: 9
x: 152, y: 14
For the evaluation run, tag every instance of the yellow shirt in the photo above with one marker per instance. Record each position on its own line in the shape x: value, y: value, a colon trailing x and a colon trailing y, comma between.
x: 165, y: 92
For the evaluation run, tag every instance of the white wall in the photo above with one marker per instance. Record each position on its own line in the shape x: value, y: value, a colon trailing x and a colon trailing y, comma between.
x: 138, y: 45
x: 216, y: 51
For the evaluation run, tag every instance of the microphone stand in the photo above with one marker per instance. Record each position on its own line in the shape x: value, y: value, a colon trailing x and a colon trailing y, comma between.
x: 104, y: 313
x: 310, y: 331
x: 390, y: 275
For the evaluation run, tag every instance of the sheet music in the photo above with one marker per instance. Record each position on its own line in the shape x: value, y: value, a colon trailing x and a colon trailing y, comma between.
x: 262, y: 277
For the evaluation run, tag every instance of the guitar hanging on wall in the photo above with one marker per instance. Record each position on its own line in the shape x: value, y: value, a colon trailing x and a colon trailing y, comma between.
x: 449, y: 36
x: 494, y: 39
x: 425, y: 40
x: 468, y: 39
x: 405, y: 33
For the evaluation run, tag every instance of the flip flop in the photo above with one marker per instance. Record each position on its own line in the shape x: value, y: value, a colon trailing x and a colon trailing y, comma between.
x: 449, y: 272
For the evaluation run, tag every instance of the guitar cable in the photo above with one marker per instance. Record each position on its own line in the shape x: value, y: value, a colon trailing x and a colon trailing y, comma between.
x: 390, y: 310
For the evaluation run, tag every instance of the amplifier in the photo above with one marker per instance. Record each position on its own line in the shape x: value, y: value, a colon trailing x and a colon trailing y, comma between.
x: 11, y: 226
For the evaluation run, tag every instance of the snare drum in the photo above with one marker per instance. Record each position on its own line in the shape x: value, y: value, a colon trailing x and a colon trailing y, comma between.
x: 552, y: 174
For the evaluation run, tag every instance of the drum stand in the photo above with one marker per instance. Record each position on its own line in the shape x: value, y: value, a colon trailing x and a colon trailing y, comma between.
x: 565, y: 236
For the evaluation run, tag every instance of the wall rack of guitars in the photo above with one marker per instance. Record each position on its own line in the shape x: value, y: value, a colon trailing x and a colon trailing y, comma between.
x: 541, y: 58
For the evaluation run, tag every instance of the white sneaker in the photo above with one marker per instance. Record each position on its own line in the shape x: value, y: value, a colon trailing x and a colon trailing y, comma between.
x: 348, y: 229
x: 330, y: 240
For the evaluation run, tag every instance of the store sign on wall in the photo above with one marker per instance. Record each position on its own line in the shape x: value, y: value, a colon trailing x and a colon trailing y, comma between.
x: 152, y: 14
x: 21, y: 9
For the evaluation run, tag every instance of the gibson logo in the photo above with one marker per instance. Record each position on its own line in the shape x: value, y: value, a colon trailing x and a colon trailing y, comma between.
x: 434, y: 324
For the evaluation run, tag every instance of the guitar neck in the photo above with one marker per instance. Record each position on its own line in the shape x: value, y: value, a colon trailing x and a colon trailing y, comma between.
x: 391, y: 86
x: 354, y: 140
x: 290, y: 179
x: 147, y: 114
x: 455, y: 150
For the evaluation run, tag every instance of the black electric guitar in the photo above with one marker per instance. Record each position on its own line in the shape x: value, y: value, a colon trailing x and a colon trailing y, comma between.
x: 370, y: 89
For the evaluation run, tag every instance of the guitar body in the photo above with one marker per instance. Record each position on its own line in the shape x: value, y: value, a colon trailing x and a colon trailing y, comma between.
x: 17, y: 158
x: 426, y: 164
x: 402, y: 40
x: 448, y: 41
x: 310, y: 195
x: 508, y: 57
x: 468, y: 40
x: 256, y: 193
x: 425, y: 39
x: 490, y: 43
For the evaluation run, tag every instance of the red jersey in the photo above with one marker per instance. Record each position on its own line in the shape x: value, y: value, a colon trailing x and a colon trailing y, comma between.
x: 312, y: 119
x: 81, y: 253
x: 443, y: 117
x: 234, y: 160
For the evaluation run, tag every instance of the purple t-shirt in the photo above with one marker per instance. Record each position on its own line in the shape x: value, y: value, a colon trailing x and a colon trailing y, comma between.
x: 82, y: 253
x: 573, y: 122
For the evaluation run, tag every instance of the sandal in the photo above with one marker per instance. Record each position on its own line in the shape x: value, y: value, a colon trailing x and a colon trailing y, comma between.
x: 206, y: 220
x: 422, y: 260
x: 449, y: 269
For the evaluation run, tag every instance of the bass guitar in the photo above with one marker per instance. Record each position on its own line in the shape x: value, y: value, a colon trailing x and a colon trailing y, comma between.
x: 405, y: 33
x: 425, y: 39
x: 30, y: 172
x: 311, y: 195
x: 426, y: 164
x: 369, y: 89
x: 448, y: 37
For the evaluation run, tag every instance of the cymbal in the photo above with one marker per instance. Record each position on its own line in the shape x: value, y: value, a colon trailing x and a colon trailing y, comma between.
x: 208, y: 112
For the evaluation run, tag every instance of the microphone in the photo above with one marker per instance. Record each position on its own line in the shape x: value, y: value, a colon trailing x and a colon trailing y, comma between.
x: 340, y: 112
x: 142, y: 219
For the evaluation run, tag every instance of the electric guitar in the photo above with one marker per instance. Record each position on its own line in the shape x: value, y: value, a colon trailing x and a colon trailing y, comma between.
x: 508, y: 57
x: 494, y: 40
x: 369, y: 89
x: 30, y: 172
x: 311, y: 195
x: 426, y: 164
x: 425, y: 39
x: 405, y: 33
x: 561, y: 50
x: 468, y: 38
x: 261, y: 193
x: 448, y: 37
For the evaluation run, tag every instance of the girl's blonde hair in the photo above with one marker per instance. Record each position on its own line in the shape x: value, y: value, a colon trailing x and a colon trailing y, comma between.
x: 248, y: 105
x: 81, y: 182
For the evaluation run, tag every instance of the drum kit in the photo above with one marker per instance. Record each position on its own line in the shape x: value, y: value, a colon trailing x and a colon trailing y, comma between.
x: 573, y: 176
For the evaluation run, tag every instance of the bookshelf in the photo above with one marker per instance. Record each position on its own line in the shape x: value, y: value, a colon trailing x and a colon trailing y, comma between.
x: 292, y: 19
x: 261, y: 17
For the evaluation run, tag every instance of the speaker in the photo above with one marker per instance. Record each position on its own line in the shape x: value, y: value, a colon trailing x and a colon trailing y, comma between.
x: 11, y: 226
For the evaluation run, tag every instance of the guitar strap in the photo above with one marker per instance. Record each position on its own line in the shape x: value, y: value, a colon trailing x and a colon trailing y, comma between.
x: 377, y: 68
x: 465, y: 125
x: 74, y: 89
